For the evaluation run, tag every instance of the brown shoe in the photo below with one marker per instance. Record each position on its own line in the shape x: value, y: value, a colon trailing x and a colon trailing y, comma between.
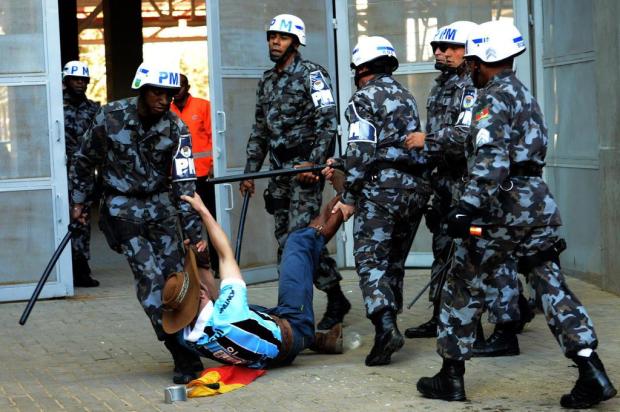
x: 327, y: 223
x: 328, y: 341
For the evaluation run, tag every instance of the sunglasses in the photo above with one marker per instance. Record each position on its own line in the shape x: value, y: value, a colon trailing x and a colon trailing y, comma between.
x: 442, y: 46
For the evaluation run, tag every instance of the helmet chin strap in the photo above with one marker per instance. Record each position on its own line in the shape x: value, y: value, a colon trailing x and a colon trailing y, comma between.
x: 279, y: 60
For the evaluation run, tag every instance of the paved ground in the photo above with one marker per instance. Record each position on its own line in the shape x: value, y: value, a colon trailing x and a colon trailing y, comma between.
x: 97, y: 352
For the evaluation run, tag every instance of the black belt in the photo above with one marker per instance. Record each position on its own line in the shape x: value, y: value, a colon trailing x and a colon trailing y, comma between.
x: 414, y: 169
x: 526, y: 169
x: 286, y: 154
x: 138, y: 195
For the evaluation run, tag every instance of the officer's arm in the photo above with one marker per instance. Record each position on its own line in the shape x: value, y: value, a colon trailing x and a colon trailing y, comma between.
x: 90, y: 154
x: 184, y: 183
x: 452, y: 137
x: 326, y: 122
x: 361, y: 148
x: 491, y: 137
x: 258, y: 144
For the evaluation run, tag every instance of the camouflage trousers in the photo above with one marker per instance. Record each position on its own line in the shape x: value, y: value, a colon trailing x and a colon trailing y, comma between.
x: 298, y: 205
x: 385, y: 224
x: 80, y: 239
x: 463, y: 295
x: 153, y: 255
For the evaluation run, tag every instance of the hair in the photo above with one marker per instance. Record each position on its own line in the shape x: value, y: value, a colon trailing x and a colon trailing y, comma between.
x: 382, y: 65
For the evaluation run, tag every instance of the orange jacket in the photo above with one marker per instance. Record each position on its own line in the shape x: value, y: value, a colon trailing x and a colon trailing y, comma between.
x: 197, y: 116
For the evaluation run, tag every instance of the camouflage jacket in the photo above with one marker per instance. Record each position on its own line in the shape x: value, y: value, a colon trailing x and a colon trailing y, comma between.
x: 137, y: 166
x: 295, y: 117
x: 380, y: 115
x: 78, y: 117
x: 508, y: 131
x: 449, y: 109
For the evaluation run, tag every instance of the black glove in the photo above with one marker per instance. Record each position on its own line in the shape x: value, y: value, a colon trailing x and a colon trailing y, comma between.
x: 432, y: 217
x: 459, y: 221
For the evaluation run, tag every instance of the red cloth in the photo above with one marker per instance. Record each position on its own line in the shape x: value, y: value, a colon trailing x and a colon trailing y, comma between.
x: 230, y: 374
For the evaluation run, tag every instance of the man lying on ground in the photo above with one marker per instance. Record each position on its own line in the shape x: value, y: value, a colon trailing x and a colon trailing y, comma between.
x: 229, y: 330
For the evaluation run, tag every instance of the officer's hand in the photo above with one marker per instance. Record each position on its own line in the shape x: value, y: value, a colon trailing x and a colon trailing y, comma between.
x: 347, y: 210
x: 432, y: 217
x: 306, y: 178
x: 77, y: 213
x: 247, y: 186
x: 458, y: 224
x: 415, y: 140
x: 328, y: 172
x: 201, y: 246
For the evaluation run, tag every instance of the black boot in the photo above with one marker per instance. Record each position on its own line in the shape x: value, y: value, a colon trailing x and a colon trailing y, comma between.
x: 427, y: 329
x: 592, y: 386
x: 337, y: 307
x: 502, y: 342
x: 526, y: 311
x: 186, y: 362
x: 448, y: 384
x: 480, y: 342
x: 81, y: 273
x: 387, y: 339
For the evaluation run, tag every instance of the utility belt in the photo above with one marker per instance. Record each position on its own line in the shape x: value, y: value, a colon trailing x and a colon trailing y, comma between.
x: 110, y: 191
x: 285, y: 154
x: 287, y: 342
x: 403, y: 167
x: 117, y: 230
x: 525, y: 169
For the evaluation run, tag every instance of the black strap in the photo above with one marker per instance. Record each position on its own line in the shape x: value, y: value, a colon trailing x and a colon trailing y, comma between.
x: 525, y: 169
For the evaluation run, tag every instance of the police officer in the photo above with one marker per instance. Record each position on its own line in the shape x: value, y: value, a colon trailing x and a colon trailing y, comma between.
x: 386, y: 187
x: 295, y: 123
x: 450, y: 113
x: 79, y: 113
x: 507, y: 196
x: 137, y: 142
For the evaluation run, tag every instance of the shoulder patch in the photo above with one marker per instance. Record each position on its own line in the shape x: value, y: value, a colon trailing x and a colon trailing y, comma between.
x: 469, y: 99
x: 361, y: 130
x: 483, y: 137
x: 183, y: 166
x: 483, y: 114
x: 321, y: 94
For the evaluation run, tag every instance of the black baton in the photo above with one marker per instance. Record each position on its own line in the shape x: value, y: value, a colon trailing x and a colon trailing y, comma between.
x: 244, y: 212
x: 265, y: 174
x: 46, y: 273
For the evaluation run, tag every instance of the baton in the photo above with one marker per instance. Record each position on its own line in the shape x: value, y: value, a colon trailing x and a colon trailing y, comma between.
x: 46, y: 273
x: 265, y: 174
x: 473, y: 231
x: 244, y: 212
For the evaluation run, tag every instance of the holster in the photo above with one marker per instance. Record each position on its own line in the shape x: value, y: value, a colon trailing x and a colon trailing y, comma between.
x: 272, y: 204
x: 115, y: 230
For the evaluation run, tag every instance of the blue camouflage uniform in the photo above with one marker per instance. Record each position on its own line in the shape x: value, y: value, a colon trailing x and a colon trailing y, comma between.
x: 78, y: 118
x: 387, y: 184
x: 141, y: 201
x: 450, y: 111
x: 511, y: 202
x: 295, y: 122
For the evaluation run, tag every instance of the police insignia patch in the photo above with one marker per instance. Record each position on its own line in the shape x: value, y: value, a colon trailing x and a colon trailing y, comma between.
x: 483, y: 137
x: 186, y: 151
x: 483, y: 114
x: 468, y: 100
x: 321, y: 94
x: 183, y: 166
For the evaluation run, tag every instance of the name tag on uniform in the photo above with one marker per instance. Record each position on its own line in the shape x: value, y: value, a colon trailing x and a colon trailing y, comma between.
x: 183, y: 165
x: 321, y: 94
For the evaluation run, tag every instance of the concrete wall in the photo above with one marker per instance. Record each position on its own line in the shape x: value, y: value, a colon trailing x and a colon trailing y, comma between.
x: 607, y: 46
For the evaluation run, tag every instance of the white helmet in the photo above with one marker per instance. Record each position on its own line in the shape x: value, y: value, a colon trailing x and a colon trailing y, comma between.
x: 455, y: 33
x: 371, y: 48
x: 494, y: 41
x: 158, y: 75
x: 289, y: 24
x: 75, y: 68
x: 435, y: 40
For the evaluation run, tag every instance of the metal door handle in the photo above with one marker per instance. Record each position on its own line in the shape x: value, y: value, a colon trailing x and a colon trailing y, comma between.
x: 57, y: 130
x: 59, y: 203
x: 231, y: 199
x: 222, y: 115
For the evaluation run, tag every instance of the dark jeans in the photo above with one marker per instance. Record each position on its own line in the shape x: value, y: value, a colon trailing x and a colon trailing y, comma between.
x: 300, y: 258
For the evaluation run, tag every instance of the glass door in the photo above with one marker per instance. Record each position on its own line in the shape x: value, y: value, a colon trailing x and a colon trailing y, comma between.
x: 33, y: 184
x: 238, y: 56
